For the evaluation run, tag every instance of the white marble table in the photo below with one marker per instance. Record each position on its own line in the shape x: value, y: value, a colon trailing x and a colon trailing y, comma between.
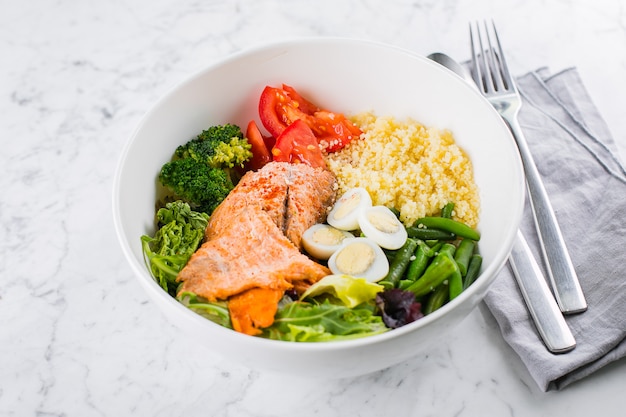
x: 78, y: 336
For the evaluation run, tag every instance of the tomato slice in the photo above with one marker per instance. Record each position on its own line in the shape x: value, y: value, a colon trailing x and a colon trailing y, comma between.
x: 303, y: 104
x: 270, y: 107
x: 260, y: 151
x: 338, y: 130
x: 280, y: 107
x: 297, y: 144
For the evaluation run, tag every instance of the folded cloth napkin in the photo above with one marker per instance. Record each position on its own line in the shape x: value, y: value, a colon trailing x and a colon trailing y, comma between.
x: 586, y: 182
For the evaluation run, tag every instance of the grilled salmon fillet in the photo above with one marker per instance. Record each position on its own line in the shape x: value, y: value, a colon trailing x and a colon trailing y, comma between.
x: 264, y: 190
x: 252, y: 252
x: 252, y: 242
x: 296, y: 196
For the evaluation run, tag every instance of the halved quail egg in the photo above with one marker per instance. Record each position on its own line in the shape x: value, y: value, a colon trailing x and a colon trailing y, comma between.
x: 381, y: 225
x: 360, y: 258
x: 321, y: 240
x: 345, y: 213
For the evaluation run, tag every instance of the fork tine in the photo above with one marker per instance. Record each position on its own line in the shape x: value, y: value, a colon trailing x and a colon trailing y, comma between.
x: 486, y: 68
x: 476, y: 73
x: 490, y: 69
x: 481, y: 60
x: 506, y: 75
x: 492, y: 60
x: 481, y: 64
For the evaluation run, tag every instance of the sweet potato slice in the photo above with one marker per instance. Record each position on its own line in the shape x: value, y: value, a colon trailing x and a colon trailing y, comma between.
x: 254, y: 309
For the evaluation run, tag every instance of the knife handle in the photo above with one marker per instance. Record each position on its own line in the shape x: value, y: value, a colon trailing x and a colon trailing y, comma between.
x: 541, y: 305
x: 560, y: 268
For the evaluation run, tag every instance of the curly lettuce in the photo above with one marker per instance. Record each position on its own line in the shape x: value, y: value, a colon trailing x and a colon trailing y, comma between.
x: 180, y: 232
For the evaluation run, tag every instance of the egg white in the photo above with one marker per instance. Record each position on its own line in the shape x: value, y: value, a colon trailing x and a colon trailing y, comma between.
x: 322, y: 240
x: 345, y: 213
x: 381, y: 225
x: 360, y: 258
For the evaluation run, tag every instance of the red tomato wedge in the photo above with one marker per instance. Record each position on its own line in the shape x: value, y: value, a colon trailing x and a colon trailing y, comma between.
x: 280, y: 107
x: 260, y: 151
x: 297, y: 143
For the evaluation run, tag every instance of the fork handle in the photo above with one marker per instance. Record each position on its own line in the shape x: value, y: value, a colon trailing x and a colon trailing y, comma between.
x: 561, y: 272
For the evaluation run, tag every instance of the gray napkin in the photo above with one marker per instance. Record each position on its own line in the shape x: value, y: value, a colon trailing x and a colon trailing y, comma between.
x: 586, y: 182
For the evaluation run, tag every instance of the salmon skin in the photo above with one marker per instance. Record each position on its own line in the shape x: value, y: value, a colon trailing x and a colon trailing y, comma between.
x: 253, y: 241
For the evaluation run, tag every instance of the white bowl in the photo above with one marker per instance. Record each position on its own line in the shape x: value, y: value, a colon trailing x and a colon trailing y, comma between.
x: 347, y: 76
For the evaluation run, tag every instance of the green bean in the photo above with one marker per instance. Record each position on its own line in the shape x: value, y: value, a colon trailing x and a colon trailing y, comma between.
x: 418, y: 265
x: 446, y: 211
x: 437, y: 299
x: 400, y: 262
x: 473, y: 269
x: 464, y: 251
x: 441, y: 267
x: 448, y: 248
x: 434, y: 246
x: 404, y: 284
x: 424, y: 233
x: 455, y: 280
x: 455, y: 283
x: 448, y: 225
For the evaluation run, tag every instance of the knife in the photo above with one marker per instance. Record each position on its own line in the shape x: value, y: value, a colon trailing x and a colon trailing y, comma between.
x: 541, y: 304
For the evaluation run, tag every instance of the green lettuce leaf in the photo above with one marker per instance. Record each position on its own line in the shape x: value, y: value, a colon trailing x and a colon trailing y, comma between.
x: 301, y: 321
x: 349, y: 290
x: 214, y: 311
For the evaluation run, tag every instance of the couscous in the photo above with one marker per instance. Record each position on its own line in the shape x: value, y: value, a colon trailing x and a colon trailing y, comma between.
x: 410, y: 167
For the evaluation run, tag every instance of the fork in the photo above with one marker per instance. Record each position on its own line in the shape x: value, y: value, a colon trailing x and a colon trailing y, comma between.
x: 542, y: 306
x: 491, y: 74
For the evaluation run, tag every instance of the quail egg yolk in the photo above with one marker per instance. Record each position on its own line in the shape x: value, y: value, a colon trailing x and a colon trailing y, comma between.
x: 360, y: 257
x: 355, y: 259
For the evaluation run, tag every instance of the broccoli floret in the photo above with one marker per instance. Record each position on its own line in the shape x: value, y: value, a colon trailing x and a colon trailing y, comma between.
x: 222, y: 146
x: 205, y: 169
x: 196, y: 183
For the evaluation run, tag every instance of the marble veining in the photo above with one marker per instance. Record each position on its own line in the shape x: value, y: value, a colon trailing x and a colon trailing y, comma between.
x: 79, y: 337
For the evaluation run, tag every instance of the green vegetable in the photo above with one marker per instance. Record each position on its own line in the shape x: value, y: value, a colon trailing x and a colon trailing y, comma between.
x: 418, y: 265
x: 446, y: 211
x: 441, y: 267
x: 180, y: 232
x: 437, y: 298
x: 424, y: 233
x: 434, y: 246
x: 464, y: 251
x: 448, y: 249
x: 311, y: 322
x: 448, y: 225
x: 349, y: 290
x: 222, y: 146
x: 400, y: 263
x: 472, y: 270
x: 195, y: 182
x: 455, y: 279
x: 203, y: 171
x: 215, y: 311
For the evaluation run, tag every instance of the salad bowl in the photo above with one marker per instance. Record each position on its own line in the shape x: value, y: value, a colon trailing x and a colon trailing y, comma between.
x: 351, y: 76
